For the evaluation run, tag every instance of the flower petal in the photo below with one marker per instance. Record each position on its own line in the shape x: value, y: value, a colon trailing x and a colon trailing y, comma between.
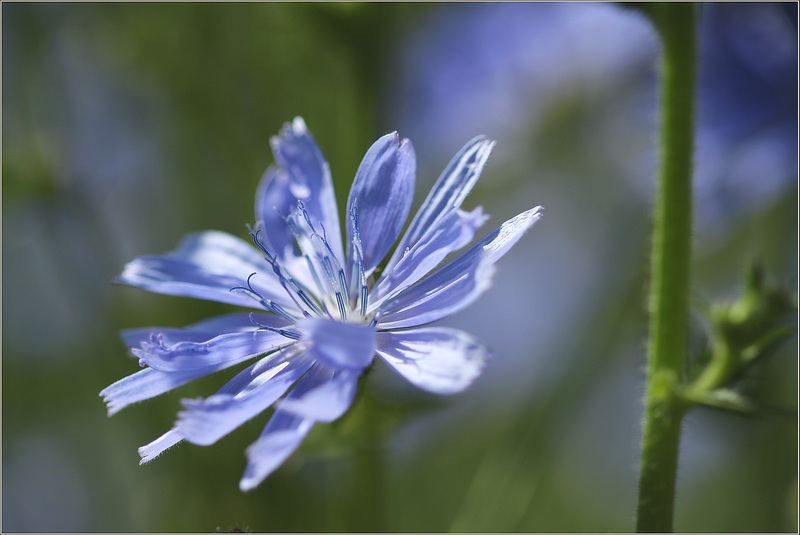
x: 274, y: 201
x: 246, y: 395
x: 133, y: 338
x: 449, y: 191
x: 211, y: 354
x: 280, y: 438
x: 285, y: 430
x: 145, y: 384
x: 436, y: 359
x: 304, y: 176
x: 449, y: 234
x: 150, y: 382
x: 198, y: 332
x: 150, y: 451
x: 327, y: 393
x: 381, y: 197
x: 338, y: 344
x: 207, y: 265
x: 458, y: 283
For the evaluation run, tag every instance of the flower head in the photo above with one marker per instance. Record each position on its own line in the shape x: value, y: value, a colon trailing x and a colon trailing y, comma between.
x: 321, y: 312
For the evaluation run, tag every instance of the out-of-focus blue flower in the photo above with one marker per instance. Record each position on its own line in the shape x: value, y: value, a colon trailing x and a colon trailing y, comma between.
x: 325, y: 311
x: 747, y: 108
x: 502, y: 67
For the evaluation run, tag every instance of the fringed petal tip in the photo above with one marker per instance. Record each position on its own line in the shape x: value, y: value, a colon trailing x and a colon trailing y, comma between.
x: 150, y: 451
x: 289, y: 131
x: 299, y: 125
x: 111, y: 406
x: 245, y: 396
x: 117, y: 396
x: 275, y: 445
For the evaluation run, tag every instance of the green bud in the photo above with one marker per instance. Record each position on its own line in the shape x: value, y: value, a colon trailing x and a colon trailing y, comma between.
x: 757, y: 321
x: 743, y: 332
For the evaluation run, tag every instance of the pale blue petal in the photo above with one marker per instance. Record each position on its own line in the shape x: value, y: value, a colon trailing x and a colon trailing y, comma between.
x: 150, y: 382
x: 248, y: 394
x: 280, y: 438
x: 458, y: 283
x: 201, y: 331
x: 283, y: 433
x: 326, y: 393
x: 305, y: 176
x: 214, y: 353
x: 150, y: 451
x: 207, y: 265
x: 338, y: 344
x: 381, y: 197
x: 145, y: 384
x: 133, y: 338
x: 435, y: 359
x: 449, y: 234
x: 449, y: 191
x: 274, y: 202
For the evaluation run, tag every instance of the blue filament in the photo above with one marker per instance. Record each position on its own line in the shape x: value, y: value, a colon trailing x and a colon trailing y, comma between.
x: 269, y: 304
x: 288, y: 333
x: 328, y: 274
x: 321, y: 258
x: 358, y: 266
x: 287, y: 281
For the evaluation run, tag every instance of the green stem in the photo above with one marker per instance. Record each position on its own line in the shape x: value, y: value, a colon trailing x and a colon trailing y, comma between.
x: 669, y: 292
x: 372, y: 478
x: 369, y: 505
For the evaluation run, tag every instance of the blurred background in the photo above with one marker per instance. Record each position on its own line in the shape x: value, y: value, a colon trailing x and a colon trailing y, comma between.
x: 125, y: 126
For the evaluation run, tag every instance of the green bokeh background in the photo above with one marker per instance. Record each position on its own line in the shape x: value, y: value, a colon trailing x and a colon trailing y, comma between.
x: 126, y: 126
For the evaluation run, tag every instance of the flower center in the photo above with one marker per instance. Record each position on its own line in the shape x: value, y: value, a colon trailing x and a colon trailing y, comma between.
x: 323, y: 290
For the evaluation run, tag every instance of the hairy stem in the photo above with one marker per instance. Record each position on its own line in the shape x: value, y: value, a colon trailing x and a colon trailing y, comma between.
x: 670, y: 262
x: 370, y: 471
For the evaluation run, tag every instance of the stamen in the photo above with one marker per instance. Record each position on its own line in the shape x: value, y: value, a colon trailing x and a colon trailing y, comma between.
x: 342, y: 279
x: 317, y: 282
x: 330, y: 281
x: 314, y: 234
x: 259, y: 244
x: 297, y: 232
x: 269, y: 304
x: 294, y: 289
x: 302, y: 208
x: 364, y: 293
x: 362, y: 297
x: 321, y: 259
x: 343, y: 283
x: 288, y: 333
x: 374, y: 320
x: 337, y: 291
x: 287, y: 281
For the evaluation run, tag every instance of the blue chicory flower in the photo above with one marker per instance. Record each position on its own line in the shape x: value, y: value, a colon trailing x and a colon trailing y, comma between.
x: 320, y: 319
